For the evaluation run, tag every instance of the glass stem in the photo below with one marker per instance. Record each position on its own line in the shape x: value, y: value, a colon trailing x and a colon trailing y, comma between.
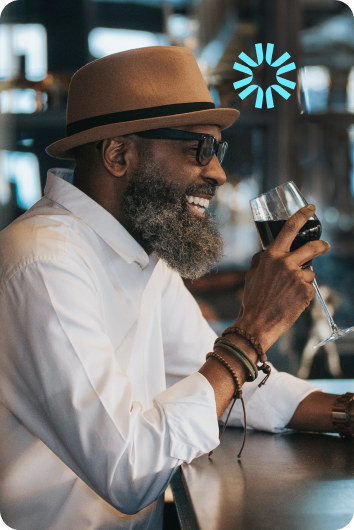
x: 325, y: 308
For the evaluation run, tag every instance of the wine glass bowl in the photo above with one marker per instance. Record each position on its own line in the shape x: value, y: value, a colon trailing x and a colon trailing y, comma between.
x: 270, y: 212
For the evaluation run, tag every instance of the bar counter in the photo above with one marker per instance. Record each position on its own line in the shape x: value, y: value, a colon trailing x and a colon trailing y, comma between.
x: 288, y: 481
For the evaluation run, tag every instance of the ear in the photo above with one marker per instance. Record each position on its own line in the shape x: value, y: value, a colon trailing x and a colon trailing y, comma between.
x: 117, y: 155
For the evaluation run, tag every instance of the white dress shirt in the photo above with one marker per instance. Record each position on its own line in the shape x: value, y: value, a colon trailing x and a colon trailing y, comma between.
x: 91, y: 328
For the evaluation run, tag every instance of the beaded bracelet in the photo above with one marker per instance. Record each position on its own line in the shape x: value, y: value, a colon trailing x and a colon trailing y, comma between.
x: 266, y: 369
x: 237, y: 395
x: 247, y: 362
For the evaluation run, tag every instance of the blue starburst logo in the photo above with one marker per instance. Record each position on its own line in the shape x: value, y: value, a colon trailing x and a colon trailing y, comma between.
x: 277, y: 64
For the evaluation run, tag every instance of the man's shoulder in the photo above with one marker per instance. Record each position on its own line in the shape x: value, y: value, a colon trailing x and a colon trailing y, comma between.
x: 38, y: 234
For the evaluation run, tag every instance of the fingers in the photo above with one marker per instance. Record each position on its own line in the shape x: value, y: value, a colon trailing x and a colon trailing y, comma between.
x: 302, y: 287
x: 309, y: 251
x: 255, y: 260
x: 292, y: 227
x: 307, y: 275
x: 310, y: 294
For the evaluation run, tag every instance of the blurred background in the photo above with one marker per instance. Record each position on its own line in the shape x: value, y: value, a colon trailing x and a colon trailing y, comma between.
x: 308, y: 138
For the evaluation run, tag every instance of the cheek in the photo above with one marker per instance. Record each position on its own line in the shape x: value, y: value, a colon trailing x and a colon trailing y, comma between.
x: 180, y: 180
x: 177, y: 169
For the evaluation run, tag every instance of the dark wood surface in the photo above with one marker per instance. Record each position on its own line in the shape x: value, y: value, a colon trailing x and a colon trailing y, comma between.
x: 288, y: 481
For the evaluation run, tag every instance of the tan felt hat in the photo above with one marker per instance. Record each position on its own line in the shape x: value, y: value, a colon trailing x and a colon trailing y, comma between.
x: 137, y: 90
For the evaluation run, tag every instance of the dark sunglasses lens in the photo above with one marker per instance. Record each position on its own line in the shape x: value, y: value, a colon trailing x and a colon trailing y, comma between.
x: 207, y: 150
x: 222, y: 151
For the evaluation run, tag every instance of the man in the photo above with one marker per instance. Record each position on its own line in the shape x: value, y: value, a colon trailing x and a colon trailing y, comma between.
x: 95, y: 317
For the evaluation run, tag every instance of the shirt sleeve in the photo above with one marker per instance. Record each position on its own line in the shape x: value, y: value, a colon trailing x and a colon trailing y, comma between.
x: 271, y: 407
x: 59, y: 376
x: 268, y: 408
x: 187, y: 336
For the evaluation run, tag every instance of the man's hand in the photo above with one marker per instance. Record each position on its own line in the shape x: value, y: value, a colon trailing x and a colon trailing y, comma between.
x: 277, y: 290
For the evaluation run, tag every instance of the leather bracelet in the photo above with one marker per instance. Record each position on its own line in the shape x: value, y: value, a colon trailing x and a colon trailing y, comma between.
x: 262, y: 358
x: 340, y: 415
x: 238, y: 391
x: 228, y: 345
x: 237, y: 395
x: 255, y: 345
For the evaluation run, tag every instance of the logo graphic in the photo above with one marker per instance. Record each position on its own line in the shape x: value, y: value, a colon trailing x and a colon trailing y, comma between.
x: 349, y: 3
x: 278, y: 63
x: 3, y: 4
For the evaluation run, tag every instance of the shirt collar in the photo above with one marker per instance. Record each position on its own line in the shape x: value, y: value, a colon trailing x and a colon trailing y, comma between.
x: 59, y: 188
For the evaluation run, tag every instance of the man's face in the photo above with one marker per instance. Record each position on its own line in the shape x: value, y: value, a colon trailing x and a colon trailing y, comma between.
x: 177, y: 160
x: 167, y: 199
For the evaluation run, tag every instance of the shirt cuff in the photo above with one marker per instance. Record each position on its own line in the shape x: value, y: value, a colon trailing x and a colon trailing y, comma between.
x: 190, y: 411
x: 271, y: 407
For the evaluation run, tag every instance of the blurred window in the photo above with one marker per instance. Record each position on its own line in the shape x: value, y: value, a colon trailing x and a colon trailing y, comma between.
x: 184, y: 31
x: 315, y: 82
x: 350, y: 91
x: 24, y: 101
x: 236, y: 222
x: 351, y: 152
x: 28, y: 40
x: 105, y: 41
x: 23, y: 170
x: 179, y: 26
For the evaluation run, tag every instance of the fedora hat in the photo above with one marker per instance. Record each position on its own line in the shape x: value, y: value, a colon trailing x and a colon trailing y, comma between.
x: 137, y: 90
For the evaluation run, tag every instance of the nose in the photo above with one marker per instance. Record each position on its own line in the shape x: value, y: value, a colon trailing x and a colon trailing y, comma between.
x: 213, y: 173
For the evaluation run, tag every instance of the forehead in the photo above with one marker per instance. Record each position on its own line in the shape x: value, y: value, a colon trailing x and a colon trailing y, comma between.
x: 204, y: 129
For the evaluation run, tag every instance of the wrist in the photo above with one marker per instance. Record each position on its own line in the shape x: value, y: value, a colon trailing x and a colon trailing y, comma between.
x: 343, y: 414
x: 254, y: 329
x: 244, y: 344
x: 236, y: 365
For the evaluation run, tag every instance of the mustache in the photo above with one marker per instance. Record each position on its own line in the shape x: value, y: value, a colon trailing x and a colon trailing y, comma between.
x: 203, y: 189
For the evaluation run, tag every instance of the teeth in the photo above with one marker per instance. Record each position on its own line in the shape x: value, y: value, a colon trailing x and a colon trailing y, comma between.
x: 201, y: 210
x: 198, y: 201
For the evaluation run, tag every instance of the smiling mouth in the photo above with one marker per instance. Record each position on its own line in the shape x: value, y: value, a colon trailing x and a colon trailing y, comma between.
x: 197, y: 205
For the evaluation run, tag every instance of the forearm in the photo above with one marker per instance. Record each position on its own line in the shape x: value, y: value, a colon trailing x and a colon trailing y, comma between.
x: 314, y: 413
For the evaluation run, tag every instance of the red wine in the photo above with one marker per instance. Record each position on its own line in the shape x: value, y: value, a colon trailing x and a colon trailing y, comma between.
x: 268, y: 231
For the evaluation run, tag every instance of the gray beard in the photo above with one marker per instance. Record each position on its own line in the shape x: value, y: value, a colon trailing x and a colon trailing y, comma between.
x: 159, y: 214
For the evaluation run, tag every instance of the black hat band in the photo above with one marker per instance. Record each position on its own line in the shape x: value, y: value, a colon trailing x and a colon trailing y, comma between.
x: 133, y: 115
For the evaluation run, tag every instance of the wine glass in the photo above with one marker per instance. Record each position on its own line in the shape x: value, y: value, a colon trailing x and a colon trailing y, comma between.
x: 270, y: 212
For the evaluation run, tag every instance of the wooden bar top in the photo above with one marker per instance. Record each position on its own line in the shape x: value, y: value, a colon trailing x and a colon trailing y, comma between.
x: 287, y: 481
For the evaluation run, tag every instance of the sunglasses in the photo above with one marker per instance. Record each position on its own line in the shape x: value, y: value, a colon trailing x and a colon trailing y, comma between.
x: 208, y: 146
